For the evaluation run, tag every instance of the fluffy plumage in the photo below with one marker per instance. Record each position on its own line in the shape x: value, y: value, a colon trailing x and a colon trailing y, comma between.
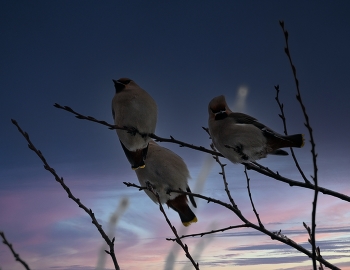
x: 165, y: 170
x: 133, y: 107
x: 240, y: 137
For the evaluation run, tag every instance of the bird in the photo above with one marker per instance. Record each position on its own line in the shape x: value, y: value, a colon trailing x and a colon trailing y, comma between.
x: 241, y: 138
x: 134, y: 108
x: 167, y: 171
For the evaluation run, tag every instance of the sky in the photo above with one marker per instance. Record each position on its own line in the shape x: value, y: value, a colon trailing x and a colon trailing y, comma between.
x: 183, y: 53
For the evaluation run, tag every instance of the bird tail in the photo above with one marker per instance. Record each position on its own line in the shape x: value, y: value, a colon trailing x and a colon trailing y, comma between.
x: 136, y: 158
x: 296, y: 140
x: 279, y: 152
x: 179, y: 204
x: 276, y: 141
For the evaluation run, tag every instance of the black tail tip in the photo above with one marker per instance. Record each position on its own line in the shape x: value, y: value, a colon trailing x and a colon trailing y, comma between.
x: 280, y: 152
x: 188, y: 223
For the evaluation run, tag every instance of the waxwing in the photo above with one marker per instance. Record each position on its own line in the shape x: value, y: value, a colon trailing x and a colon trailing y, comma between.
x: 134, y: 108
x: 241, y: 138
x: 165, y: 170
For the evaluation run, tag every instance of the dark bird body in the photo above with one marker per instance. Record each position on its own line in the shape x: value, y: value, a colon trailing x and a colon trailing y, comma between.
x: 166, y: 171
x: 240, y: 137
x: 134, y: 108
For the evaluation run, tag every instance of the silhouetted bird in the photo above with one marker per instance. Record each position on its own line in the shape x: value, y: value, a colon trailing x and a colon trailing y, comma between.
x: 165, y: 170
x: 134, y: 108
x: 240, y: 137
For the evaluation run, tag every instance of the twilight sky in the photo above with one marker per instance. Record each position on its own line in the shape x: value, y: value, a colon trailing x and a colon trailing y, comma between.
x: 183, y: 54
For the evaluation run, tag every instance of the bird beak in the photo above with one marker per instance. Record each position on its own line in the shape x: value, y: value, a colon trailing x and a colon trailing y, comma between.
x: 119, y: 86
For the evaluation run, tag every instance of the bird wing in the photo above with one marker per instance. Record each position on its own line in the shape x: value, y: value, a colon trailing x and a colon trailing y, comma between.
x: 242, y: 118
x: 113, y: 113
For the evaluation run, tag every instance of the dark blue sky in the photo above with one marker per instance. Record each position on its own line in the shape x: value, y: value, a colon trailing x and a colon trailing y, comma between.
x: 183, y: 53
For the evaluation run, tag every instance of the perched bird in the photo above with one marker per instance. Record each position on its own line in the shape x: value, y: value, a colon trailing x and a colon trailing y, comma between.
x: 241, y: 138
x: 165, y: 171
x: 134, y: 108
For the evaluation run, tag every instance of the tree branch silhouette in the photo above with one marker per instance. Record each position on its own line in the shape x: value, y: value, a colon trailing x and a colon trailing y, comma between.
x: 274, y: 235
x: 211, y: 232
x: 16, y: 255
x: 60, y: 180
x: 250, y: 166
x: 208, y: 199
x: 251, y: 199
x: 222, y: 173
x: 313, y: 146
x: 178, y: 239
x: 282, y: 116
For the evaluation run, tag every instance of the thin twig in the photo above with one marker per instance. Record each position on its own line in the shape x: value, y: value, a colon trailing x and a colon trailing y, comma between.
x: 92, y: 119
x: 313, y: 146
x: 211, y: 232
x: 222, y: 166
x: 16, y: 255
x: 275, y: 175
x: 208, y: 199
x: 251, y: 199
x: 178, y: 239
x: 60, y: 180
x: 286, y: 133
x: 318, y: 252
x: 134, y: 130
x: 250, y: 166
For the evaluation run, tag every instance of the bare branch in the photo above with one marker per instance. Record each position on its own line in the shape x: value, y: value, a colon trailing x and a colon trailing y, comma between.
x: 248, y: 224
x: 313, y: 150
x: 60, y: 180
x: 178, y: 239
x: 286, y: 133
x: 211, y: 232
x: 208, y: 199
x: 250, y: 166
x: 16, y: 255
x: 222, y: 166
x: 134, y: 130
x: 251, y: 199
x: 318, y: 252
x: 92, y: 119
x: 275, y: 175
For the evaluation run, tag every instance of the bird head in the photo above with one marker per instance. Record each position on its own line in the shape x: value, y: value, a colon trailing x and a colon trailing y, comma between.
x: 218, y: 108
x: 121, y: 84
